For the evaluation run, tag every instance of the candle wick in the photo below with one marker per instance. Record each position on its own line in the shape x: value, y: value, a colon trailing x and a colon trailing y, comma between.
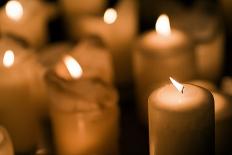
x: 182, y: 91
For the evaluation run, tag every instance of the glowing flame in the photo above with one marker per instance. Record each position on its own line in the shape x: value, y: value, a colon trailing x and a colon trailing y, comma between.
x: 163, y: 25
x: 110, y: 16
x: 73, y: 67
x: 178, y: 86
x: 14, y: 10
x: 8, y: 58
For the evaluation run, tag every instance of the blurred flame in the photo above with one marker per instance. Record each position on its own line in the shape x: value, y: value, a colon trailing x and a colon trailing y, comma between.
x: 178, y: 86
x: 14, y: 10
x: 110, y: 16
x: 163, y: 25
x: 8, y: 58
x: 73, y: 67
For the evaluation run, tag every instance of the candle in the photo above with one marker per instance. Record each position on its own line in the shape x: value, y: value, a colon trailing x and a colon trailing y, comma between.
x: 181, y: 120
x: 17, y: 108
x: 112, y: 30
x: 206, y: 29
x: 95, y: 59
x: 27, y: 20
x: 92, y: 58
x: 84, y: 114
x: 159, y: 55
x: 6, y: 147
x: 223, y: 119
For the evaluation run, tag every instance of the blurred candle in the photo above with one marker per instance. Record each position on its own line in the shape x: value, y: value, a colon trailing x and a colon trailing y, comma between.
x: 111, y: 28
x: 23, y: 18
x: 17, y: 105
x: 204, y: 25
x: 6, y: 147
x: 84, y: 113
x: 159, y: 55
x: 181, y: 114
x: 226, y: 85
x: 95, y: 59
x: 223, y: 118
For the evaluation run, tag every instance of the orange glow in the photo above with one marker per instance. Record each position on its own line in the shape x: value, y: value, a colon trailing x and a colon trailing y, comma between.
x: 73, y: 67
x: 178, y: 86
x: 8, y: 58
x: 163, y: 25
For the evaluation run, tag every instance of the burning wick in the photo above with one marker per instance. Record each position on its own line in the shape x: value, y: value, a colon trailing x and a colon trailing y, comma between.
x: 110, y: 16
x: 14, y: 10
x: 73, y: 67
x: 178, y: 86
x: 8, y: 58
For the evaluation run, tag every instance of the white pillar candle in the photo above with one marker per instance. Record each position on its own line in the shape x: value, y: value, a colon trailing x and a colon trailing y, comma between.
x: 181, y: 120
x: 26, y: 19
x: 84, y: 114
x: 6, y: 147
x: 118, y: 29
x: 17, y: 107
x: 159, y: 55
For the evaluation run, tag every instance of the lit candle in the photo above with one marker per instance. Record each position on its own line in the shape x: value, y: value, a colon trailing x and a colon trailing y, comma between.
x: 95, y: 59
x: 181, y: 120
x: 84, y: 113
x: 23, y: 18
x: 223, y: 119
x: 159, y: 55
x: 17, y: 109
x: 112, y: 30
x: 6, y: 147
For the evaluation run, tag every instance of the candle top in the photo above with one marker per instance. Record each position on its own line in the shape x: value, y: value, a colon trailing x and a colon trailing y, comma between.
x: 164, y: 45
x: 170, y: 99
x: 82, y: 95
x: 205, y: 84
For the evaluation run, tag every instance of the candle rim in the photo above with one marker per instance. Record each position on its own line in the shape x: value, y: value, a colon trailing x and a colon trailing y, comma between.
x: 155, y: 102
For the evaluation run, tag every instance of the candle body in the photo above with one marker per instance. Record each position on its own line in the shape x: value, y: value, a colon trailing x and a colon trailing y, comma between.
x: 156, y: 59
x: 34, y: 21
x: 85, y: 122
x: 223, y: 126
x: 186, y: 119
x: 17, y: 106
x: 6, y: 147
x: 118, y: 37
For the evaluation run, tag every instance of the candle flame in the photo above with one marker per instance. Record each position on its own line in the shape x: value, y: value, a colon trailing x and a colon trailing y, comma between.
x: 73, y: 67
x: 163, y: 25
x: 178, y: 86
x: 14, y: 10
x: 110, y: 16
x: 8, y: 58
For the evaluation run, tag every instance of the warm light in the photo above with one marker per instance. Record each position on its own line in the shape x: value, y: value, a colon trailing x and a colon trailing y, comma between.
x: 73, y: 67
x: 110, y: 16
x: 14, y: 10
x: 178, y: 86
x: 8, y: 58
x: 163, y: 25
